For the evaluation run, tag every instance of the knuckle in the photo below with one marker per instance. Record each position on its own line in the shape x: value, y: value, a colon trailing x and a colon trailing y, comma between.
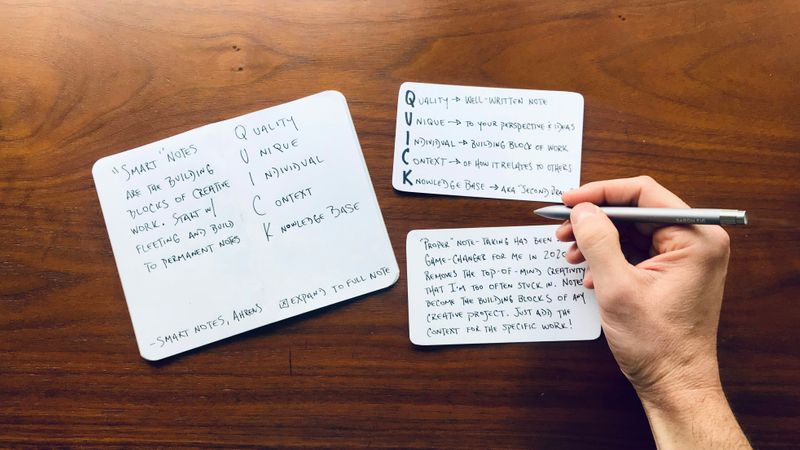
x: 619, y: 292
x: 719, y: 240
x: 618, y: 298
x: 596, y: 237
x: 647, y: 180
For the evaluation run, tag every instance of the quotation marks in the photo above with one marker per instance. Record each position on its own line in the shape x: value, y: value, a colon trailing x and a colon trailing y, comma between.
x: 114, y: 170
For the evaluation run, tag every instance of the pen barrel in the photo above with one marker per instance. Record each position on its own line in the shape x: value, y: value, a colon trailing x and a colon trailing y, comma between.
x: 678, y: 215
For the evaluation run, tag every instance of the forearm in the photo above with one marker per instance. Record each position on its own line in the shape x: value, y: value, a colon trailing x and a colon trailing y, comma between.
x: 699, y: 419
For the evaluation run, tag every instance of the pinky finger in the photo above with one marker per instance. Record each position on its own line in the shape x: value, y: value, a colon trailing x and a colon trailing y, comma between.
x: 588, y: 282
x: 574, y: 255
x: 564, y: 232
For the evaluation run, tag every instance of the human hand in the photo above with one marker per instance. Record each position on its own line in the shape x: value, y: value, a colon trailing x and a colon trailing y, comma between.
x: 660, y: 314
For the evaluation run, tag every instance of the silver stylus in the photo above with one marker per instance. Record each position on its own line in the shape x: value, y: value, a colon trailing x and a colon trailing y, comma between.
x: 699, y: 216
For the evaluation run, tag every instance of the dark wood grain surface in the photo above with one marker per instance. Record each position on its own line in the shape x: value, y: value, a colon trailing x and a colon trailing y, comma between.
x: 703, y: 96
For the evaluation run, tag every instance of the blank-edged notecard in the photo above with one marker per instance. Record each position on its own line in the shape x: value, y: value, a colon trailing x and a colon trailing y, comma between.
x: 495, y: 285
x: 242, y: 223
x: 519, y: 144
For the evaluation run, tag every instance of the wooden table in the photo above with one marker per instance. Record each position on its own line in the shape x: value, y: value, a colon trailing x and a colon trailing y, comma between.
x: 703, y: 96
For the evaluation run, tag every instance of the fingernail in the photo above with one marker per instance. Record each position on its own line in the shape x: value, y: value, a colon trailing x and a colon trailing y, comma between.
x: 580, y: 211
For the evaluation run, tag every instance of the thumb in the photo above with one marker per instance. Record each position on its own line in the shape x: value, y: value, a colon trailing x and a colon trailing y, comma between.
x: 598, y: 241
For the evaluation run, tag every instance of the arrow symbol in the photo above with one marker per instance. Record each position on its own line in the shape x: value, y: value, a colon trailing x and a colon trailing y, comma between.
x: 494, y: 186
x: 463, y: 142
x: 457, y: 122
x: 457, y: 99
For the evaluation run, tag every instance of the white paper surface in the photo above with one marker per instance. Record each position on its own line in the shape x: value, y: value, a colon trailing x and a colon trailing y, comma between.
x: 491, y: 285
x: 487, y: 142
x: 242, y: 223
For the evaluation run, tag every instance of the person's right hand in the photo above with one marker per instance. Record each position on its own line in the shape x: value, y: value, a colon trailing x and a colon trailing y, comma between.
x: 660, y: 315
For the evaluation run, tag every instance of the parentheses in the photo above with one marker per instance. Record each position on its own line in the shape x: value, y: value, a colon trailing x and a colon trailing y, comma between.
x: 296, y: 166
x: 323, y: 292
x: 277, y: 173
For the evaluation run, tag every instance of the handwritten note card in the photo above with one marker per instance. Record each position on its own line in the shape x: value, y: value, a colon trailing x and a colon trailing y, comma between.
x: 487, y: 142
x: 242, y: 223
x: 490, y: 285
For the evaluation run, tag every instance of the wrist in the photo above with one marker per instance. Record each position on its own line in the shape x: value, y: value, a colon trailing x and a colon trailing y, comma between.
x: 684, y: 399
x: 681, y: 374
x: 681, y: 400
x: 692, y: 417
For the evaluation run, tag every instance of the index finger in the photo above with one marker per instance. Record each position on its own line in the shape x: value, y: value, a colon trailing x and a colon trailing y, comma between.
x: 638, y: 191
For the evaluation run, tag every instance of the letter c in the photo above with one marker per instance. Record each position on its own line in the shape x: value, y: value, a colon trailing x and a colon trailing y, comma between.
x: 257, y: 197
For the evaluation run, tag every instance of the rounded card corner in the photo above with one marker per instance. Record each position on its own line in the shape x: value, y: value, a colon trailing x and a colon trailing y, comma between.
x: 396, y: 186
x: 410, y: 235
x: 97, y: 166
x: 396, y: 276
x: 336, y: 94
x: 415, y: 341
x: 148, y: 357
